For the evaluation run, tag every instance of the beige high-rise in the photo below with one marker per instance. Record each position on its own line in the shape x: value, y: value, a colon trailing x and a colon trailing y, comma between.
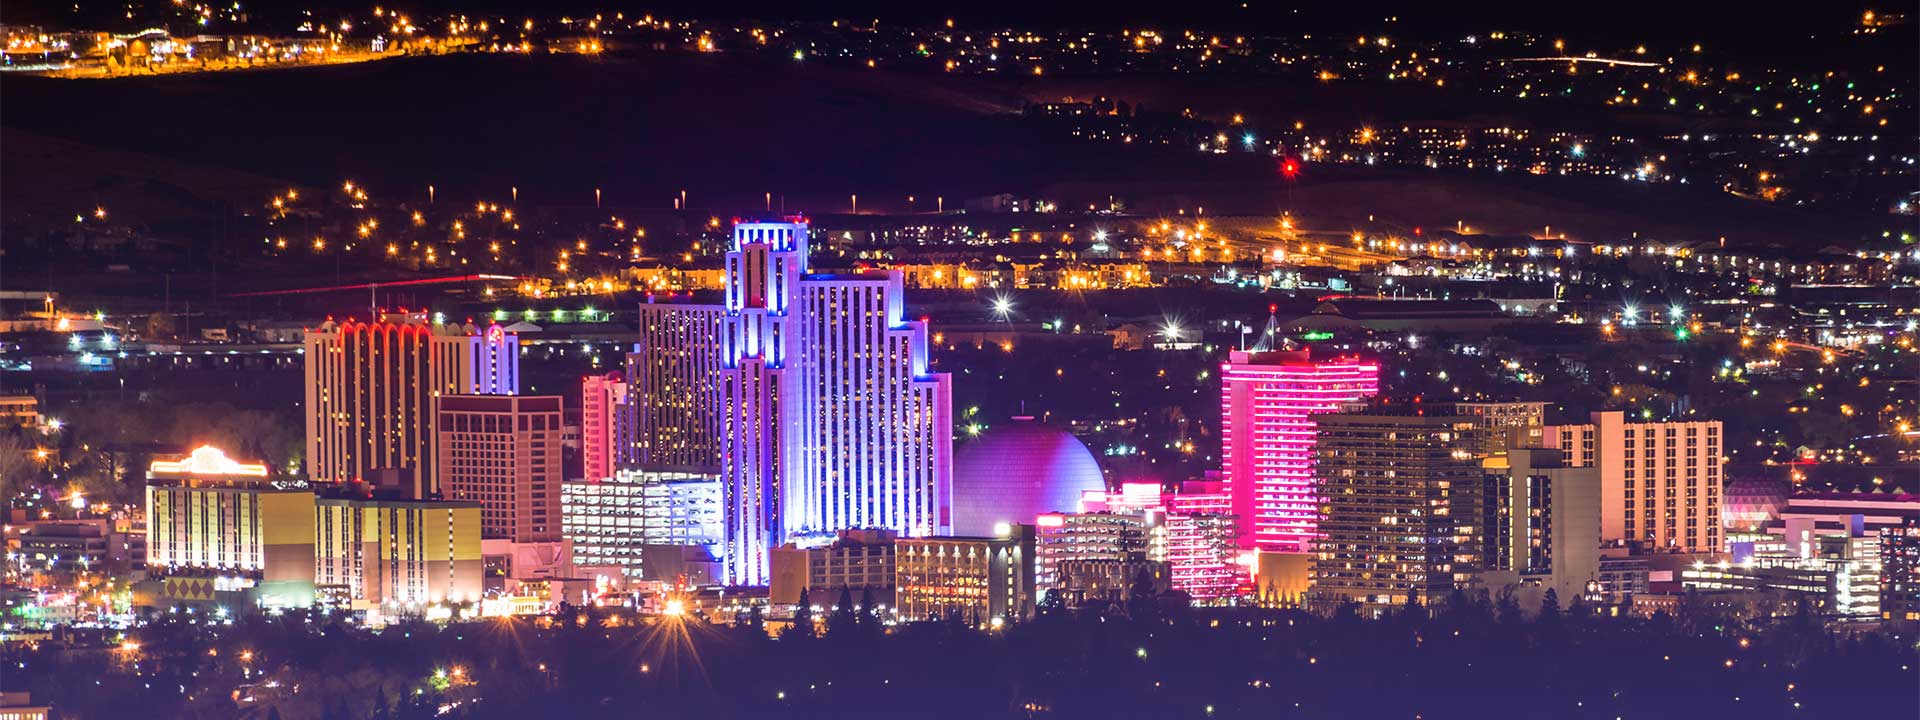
x: 370, y: 390
x: 1659, y: 482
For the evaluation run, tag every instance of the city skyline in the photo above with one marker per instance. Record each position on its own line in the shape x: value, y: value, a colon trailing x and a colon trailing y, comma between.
x: 505, y: 360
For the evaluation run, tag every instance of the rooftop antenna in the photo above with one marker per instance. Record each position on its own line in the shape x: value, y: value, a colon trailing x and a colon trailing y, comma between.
x: 1270, y: 333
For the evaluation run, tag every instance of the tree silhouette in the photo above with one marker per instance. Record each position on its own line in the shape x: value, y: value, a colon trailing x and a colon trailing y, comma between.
x: 1507, y: 607
x: 843, y: 618
x: 802, y: 627
x: 1053, y: 603
x: 1579, y: 609
x: 1142, y: 601
x: 381, y: 709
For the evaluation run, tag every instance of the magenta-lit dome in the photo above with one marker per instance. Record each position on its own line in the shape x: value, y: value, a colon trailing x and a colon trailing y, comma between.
x: 1016, y: 471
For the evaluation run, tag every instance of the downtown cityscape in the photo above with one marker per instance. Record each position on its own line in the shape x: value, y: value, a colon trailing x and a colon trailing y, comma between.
x: 488, y: 360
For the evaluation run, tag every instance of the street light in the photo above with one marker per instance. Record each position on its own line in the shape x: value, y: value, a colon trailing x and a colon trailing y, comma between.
x: 1171, y: 328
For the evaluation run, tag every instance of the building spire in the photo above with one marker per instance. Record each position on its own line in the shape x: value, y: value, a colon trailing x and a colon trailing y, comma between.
x: 1270, y: 335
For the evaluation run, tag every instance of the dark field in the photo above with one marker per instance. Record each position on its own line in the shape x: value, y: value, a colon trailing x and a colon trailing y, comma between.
x: 171, y: 153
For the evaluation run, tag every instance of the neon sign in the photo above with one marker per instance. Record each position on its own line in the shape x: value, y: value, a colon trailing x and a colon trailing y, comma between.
x: 206, y: 460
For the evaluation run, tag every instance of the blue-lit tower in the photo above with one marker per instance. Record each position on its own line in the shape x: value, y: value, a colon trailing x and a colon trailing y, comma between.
x: 828, y: 418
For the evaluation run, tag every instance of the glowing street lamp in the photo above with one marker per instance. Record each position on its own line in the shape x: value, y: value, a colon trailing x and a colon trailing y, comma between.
x: 1002, y: 307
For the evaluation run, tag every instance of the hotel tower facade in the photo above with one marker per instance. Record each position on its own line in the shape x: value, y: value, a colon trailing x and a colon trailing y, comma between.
x: 1267, y: 400
x: 826, y: 415
x: 370, y: 388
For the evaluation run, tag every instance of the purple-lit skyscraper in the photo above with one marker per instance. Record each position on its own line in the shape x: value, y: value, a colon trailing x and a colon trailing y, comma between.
x: 828, y: 417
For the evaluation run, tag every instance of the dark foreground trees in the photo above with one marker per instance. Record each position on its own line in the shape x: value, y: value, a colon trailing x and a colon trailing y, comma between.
x: 1240, y: 663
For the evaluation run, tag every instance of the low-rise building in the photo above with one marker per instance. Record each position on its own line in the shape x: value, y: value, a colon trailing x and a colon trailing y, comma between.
x: 1624, y: 577
x: 19, y: 412
x: 974, y: 579
x: 72, y: 547
x: 859, y: 561
x: 20, y: 706
x: 610, y: 521
x: 394, y: 554
x: 1202, y: 552
x: 1900, y: 572
x: 211, y: 517
x: 1837, y: 573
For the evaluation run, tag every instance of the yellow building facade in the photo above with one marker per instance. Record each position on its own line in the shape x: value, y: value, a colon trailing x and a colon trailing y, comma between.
x: 213, y: 518
x: 379, y: 553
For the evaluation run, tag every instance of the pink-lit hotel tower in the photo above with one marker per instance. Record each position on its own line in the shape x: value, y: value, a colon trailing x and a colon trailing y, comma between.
x: 1266, y: 402
x: 827, y: 415
x: 603, y: 401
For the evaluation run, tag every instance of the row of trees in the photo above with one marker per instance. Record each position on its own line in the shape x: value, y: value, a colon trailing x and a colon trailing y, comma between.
x: 1143, y: 660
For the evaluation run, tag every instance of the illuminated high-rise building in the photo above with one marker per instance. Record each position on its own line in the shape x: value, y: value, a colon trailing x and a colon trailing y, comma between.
x: 1266, y: 403
x: 603, y: 407
x: 828, y: 416
x: 1512, y: 424
x: 1403, y: 491
x: 673, y: 377
x: 370, y: 389
x: 1660, y: 482
x: 1541, y: 519
x: 502, y: 451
